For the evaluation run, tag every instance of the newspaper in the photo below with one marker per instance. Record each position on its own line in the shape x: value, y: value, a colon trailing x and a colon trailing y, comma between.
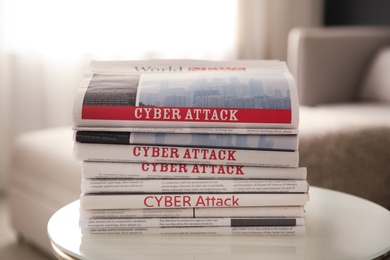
x: 131, y: 186
x: 107, y: 170
x: 272, y: 211
x: 256, y: 142
x: 191, y: 95
x: 184, y: 155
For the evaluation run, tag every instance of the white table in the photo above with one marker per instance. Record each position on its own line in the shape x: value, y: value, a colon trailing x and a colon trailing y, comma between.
x: 338, y: 226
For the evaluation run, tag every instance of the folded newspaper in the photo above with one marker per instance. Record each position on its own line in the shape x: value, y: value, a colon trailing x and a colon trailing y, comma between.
x: 187, y: 96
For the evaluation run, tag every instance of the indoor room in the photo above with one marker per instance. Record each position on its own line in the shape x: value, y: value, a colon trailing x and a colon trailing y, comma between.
x: 334, y: 54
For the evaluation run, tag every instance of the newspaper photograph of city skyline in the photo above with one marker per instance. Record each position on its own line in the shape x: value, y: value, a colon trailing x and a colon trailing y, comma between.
x: 210, y: 90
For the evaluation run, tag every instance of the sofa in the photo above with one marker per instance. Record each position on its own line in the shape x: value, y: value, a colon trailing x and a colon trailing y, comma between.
x: 344, y: 129
x: 343, y: 81
x: 44, y: 178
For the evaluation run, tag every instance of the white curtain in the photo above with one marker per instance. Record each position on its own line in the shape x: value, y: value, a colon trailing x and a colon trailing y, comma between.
x: 45, y: 46
x: 263, y: 25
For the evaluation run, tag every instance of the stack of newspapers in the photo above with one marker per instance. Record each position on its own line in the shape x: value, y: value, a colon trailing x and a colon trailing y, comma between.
x: 189, y: 147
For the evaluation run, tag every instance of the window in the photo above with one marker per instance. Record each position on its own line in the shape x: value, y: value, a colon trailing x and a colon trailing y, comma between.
x: 121, y: 28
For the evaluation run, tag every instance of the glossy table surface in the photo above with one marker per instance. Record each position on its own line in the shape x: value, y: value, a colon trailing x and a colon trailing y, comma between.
x: 338, y: 226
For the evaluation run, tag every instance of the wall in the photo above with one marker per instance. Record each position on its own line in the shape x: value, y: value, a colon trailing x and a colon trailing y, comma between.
x: 356, y: 12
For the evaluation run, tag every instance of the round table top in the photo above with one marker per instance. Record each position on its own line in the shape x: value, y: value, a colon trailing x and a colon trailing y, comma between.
x: 338, y: 226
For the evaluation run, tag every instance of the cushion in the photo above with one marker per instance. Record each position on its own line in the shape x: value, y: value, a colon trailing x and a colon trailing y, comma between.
x: 335, y: 118
x: 44, y: 177
x: 43, y: 164
x: 345, y: 147
x: 376, y: 82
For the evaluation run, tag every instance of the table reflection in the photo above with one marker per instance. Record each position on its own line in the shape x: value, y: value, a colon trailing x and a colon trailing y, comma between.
x: 191, y: 246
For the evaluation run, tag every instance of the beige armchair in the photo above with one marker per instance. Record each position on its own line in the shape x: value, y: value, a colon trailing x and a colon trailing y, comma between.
x: 343, y: 81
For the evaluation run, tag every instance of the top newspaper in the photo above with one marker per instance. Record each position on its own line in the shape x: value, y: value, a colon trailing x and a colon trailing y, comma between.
x: 188, y: 96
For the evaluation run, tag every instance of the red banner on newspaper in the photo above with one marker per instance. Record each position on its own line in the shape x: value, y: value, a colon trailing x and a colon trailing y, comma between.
x: 184, y: 114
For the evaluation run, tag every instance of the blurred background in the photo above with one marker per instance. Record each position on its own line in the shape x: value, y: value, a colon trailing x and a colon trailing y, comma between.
x: 45, y: 45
